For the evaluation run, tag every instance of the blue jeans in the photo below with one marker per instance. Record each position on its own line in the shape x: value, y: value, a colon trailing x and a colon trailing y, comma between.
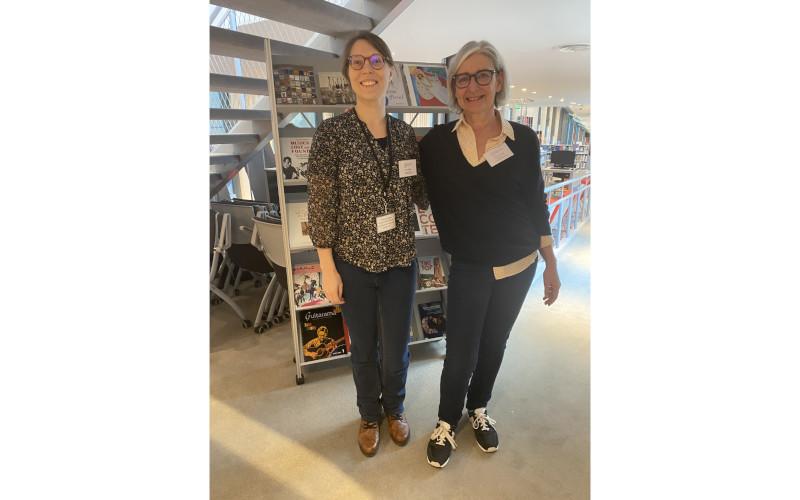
x: 480, y: 314
x: 379, y: 358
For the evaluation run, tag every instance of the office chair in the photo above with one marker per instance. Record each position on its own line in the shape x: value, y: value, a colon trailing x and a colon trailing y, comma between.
x: 220, y: 243
x: 268, y: 238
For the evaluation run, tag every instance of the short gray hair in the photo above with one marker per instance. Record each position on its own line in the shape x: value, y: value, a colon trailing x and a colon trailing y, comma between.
x: 470, y: 48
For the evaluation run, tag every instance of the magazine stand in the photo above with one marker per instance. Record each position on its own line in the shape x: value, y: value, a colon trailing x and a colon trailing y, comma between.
x: 293, y: 127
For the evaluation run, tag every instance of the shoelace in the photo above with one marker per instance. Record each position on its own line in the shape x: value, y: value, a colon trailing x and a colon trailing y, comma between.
x: 440, y: 434
x: 368, y: 425
x: 480, y: 420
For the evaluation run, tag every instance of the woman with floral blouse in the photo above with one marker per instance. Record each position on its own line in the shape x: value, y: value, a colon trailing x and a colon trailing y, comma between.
x: 363, y: 183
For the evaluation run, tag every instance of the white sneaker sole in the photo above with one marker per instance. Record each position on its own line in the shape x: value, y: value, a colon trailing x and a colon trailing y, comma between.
x: 491, y: 449
x: 436, y: 464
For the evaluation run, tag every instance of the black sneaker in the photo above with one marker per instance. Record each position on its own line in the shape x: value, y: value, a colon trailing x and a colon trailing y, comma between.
x: 485, y: 434
x: 442, y: 443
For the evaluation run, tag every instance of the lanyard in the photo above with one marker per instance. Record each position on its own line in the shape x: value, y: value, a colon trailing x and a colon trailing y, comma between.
x: 387, y: 179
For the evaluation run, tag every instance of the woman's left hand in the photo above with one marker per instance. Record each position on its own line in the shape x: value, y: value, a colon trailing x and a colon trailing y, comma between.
x: 552, y: 285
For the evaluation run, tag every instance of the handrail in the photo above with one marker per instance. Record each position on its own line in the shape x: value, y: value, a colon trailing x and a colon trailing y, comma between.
x: 569, y: 211
x: 564, y: 183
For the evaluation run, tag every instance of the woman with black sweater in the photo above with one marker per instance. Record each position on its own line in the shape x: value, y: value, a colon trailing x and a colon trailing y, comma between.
x: 487, y: 195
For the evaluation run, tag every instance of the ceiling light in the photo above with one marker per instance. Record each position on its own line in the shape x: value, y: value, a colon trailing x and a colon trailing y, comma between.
x: 573, y: 47
x: 549, y: 97
x: 512, y: 86
x: 562, y: 99
x: 533, y: 91
x: 524, y: 90
x: 572, y: 103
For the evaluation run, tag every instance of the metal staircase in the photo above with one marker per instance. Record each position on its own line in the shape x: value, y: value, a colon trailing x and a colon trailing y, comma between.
x: 240, y: 118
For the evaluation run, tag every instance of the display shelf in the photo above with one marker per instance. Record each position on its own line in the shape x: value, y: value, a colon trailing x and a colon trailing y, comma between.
x: 341, y: 108
x: 311, y: 308
x: 318, y: 361
x: 425, y: 290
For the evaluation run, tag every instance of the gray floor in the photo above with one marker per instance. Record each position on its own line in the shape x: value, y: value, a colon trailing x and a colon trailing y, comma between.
x: 273, y: 439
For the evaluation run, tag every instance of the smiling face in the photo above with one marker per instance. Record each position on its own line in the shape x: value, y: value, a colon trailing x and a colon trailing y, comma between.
x: 368, y: 84
x: 478, y: 98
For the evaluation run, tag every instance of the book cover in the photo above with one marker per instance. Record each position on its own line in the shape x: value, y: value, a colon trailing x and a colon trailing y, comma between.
x: 294, y: 163
x: 323, y: 333
x: 297, y: 214
x: 432, y: 320
x: 431, y: 272
x: 396, y: 93
x: 425, y: 225
x: 335, y: 89
x: 295, y: 84
x: 427, y: 85
x: 307, y: 280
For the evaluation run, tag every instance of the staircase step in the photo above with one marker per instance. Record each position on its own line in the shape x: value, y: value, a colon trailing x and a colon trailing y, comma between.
x: 233, y: 138
x: 236, y: 44
x: 241, y: 84
x: 314, y: 15
x: 238, y: 114
x: 224, y: 159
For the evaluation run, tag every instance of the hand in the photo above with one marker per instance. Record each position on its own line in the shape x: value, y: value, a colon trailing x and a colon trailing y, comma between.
x: 551, y: 285
x: 332, y: 286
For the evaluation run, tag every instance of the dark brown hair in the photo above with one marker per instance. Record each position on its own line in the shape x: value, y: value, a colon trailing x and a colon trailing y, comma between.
x: 373, y: 40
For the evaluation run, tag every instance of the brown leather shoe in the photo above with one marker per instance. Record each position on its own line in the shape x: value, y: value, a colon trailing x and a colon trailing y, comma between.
x: 399, y: 429
x: 369, y: 437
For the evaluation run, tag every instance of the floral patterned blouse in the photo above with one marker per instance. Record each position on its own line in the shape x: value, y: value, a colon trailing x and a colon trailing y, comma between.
x: 346, y: 192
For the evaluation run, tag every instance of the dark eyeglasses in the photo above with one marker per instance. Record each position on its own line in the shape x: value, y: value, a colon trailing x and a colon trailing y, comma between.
x: 357, y: 62
x: 482, y: 77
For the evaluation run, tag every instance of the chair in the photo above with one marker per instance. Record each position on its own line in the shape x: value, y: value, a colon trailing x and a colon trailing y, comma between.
x: 268, y: 238
x: 241, y: 255
x: 220, y: 242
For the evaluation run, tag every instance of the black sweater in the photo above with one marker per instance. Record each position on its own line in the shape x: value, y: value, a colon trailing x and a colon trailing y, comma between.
x: 486, y: 215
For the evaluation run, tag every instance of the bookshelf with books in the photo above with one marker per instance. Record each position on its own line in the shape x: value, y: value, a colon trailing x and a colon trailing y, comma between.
x: 306, y: 87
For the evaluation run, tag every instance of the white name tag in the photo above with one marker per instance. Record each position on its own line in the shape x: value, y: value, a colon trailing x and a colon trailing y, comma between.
x: 408, y: 168
x: 385, y: 222
x: 498, y: 154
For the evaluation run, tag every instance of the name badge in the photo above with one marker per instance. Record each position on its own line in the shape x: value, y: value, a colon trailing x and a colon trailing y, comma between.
x: 385, y: 222
x: 408, y: 168
x: 498, y: 154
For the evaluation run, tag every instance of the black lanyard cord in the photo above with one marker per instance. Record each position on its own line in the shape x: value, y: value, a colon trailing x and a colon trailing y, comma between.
x: 385, y: 179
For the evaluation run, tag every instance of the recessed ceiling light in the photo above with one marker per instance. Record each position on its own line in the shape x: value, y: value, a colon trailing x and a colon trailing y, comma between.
x: 512, y: 86
x: 549, y: 97
x: 533, y: 91
x: 524, y: 90
x: 572, y: 103
x: 562, y: 99
x: 573, y: 47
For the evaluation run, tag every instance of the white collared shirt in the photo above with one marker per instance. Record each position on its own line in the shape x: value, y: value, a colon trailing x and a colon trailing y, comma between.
x: 467, y: 143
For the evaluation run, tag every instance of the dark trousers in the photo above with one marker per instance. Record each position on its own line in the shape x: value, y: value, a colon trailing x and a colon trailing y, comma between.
x: 480, y: 314
x: 380, y: 360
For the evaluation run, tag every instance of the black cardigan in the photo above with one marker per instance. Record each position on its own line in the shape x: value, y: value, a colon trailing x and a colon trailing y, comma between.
x: 486, y: 215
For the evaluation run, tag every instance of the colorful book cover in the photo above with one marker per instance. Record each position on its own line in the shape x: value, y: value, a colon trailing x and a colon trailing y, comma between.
x: 335, y: 89
x: 307, y: 280
x: 396, y: 93
x: 425, y: 225
x: 294, y: 161
x: 299, y: 235
x: 323, y: 333
x: 431, y: 272
x: 295, y: 85
x: 432, y: 320
x: 427, y: 85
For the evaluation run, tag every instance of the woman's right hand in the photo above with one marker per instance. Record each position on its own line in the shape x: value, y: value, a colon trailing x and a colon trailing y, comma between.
x: 332, y: 286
